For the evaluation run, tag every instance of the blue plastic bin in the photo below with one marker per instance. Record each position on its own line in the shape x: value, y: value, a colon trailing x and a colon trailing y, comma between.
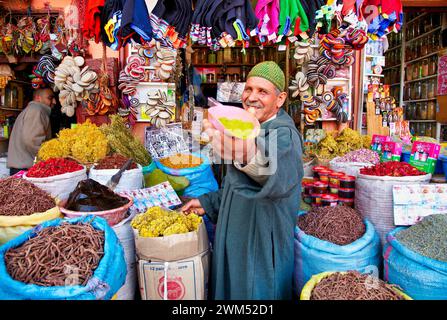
x: 405, y: 157
x: 443, y: 160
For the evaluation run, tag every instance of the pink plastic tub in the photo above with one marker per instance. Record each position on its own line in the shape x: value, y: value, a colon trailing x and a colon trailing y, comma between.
x: 230, y: 112
x: 113, y: 216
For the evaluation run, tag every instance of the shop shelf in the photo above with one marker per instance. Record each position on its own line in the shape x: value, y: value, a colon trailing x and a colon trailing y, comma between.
x: 392, y: 67
x: 421, y: 120
x: 421, y: 58
x: 393, y: 48
x: 395, y: 84
x: 417, y: 18
x: 423, y: 35
x: 421, y: 100
x: 422, y: 79
x: 10, y: 109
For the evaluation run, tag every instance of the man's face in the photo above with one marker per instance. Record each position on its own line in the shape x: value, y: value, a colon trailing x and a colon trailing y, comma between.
x: 260, y: 96
x: 47, y: 98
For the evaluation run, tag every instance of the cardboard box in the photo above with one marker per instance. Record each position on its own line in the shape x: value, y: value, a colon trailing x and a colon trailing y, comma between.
x: 424, y: 156
x: 377, y: 142
x: 391, y: 151
x: 172, y: 248
x: 185, y: 279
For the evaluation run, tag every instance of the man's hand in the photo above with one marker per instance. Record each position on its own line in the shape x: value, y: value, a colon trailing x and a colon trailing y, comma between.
x: 193, y: 206
x: 230, y: 148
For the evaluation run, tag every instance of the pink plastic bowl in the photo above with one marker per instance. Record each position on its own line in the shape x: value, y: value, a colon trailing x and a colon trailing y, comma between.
x: 113, y: 216
x: 230, y: 112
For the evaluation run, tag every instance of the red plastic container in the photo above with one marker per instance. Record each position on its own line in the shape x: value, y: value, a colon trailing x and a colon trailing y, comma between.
x: 329, y: 200
x: 347, y: 182
x: 316, y: 171
x: 316, y: 200
x: 319, y: 187
x: 346, y: 193
x: 346, y: 202
x: 334, y: 178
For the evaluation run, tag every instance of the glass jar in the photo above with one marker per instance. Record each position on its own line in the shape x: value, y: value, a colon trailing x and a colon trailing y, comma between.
x: 422, y: 129
x: 236, y: 56
x: 435, y: 42
x: 220, y: 54
x: 413, y: 128
x: 246, y: 57
x: 431, y: 110
x: 428, y: 23
x: 415, y: 71
x: 227, y: 57
x: 417, y: 90
x: 408, y: 52
x: 407, y: 92
x: 424, y: 68
x: 424, y: 90
x: 431, y: 88
x: 423, y: 111
x: 424, y: 47
x: 432, y: 66
x: 212, y: 57
x: 409, y: 72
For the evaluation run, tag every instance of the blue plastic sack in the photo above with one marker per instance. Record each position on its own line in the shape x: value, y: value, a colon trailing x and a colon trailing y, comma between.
x: 420, y: 277
x: 313, y: 255
x: 107, y: 279
x: 201, y: 178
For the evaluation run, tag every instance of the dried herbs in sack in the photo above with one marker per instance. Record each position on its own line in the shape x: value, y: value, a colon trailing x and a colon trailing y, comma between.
x: 57, y: 176
x: 415, y: 258
x: 131, y: 179
x: 350, y: 285
x: 333, y: 239
x: 100, y: 274
x: 195, y: 167
x: 374, y: 196
x: 23, y: 206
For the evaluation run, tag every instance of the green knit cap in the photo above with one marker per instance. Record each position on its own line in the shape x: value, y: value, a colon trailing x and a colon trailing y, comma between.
x: 270, y: 71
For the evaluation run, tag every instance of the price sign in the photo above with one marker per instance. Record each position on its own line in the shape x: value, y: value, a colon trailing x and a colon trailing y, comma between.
x: 166, y: 141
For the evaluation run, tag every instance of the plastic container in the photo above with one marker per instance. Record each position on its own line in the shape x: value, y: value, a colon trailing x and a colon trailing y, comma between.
x: 113, y: 216
x: 333, y: 189
x: 329, y: 200
x: 307, y: 199
x: 324, y: 175
x: 347, y: 182
x: 307, y: 188
x: 316, y: 171
x: 346, y: 202
x: 346, y: 193
x: 316, y: 200
x: 405, y: 156
x: 334, y: 178
x: 319, y: 187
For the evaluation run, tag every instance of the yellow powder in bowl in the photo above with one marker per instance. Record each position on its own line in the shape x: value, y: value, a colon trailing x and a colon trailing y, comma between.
x: 238, y: 128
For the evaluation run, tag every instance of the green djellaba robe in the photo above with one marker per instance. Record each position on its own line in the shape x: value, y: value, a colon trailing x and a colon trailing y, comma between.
x: 253, y: 254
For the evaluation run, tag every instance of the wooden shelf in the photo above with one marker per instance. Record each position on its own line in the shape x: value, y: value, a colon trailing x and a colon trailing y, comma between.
x: 395, y: 84
x: 11, y: 109
x: 421, y: 100
x: 417, y: 18
x: 422, y: 79
x: 388, y: 68
x: 215, y: 65
x: 421, y: 120
x: 424, y: 35
x: 421, y: 58
x: 393, y: 48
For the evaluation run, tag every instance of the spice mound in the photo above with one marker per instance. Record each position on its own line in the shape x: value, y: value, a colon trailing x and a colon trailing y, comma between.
x: 392, y: 169
x: 181, y: 161
x: 91, y: 196
x: 19, y: 197
x: 341, y: 225
x: 428, y: 237
x: 53, y: 167
x: 238, y: 128
x: 157, y: 222
x: 361, y: 155
x: 115, y: 161
x: 43, y: 260
x: 353, y: 286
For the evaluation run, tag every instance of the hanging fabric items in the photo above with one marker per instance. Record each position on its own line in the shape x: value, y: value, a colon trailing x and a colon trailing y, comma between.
x: 92, y: 21
x: 111, y: 17
x: 170, y: 21
x: 388, y: 18
x: 219, y: 24
x: 267, y: 11
x: 310, y: 8
x: 292, y: 18
x: 135, y: 22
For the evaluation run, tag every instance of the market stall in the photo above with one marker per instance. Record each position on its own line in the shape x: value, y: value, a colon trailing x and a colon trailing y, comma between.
x: 135, y: 79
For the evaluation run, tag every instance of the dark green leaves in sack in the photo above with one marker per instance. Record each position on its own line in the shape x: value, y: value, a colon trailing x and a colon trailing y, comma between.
x: 428, y: 237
